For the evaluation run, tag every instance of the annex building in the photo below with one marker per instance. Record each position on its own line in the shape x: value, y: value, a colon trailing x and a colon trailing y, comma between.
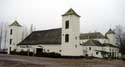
x: 67, y: 41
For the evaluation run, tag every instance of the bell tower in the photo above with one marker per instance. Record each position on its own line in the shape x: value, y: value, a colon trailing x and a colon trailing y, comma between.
x: 111, y: 37
x: 70, y: 34
x: 15, y: 35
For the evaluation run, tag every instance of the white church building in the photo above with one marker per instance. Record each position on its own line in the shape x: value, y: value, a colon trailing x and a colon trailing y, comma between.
x: 67, y: 41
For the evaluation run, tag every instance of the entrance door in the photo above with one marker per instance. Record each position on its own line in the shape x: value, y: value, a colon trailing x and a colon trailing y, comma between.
x: 39, y: 50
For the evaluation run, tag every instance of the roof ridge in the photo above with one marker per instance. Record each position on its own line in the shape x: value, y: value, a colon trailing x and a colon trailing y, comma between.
x: 110, y: 31
x: 15, y: 23
x: 47, y: 29
x: 70, y: 12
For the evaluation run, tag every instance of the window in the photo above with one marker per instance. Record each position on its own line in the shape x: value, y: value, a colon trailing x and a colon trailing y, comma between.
x: 75, y: 46
x: 67, y: 38
x: 48, y: 50
x: 97, y: 53
x: 60, y: 50
x: 67, y: 24
x: 76, y: 37
x: 11, y: 31
x: 89, y: 48
x: 10, y: 41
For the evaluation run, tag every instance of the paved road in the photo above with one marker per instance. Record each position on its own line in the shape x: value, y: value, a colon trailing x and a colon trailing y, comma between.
x: 25, y: 61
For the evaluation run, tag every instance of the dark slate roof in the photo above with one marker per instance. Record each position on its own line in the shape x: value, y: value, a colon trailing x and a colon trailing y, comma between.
x: 95, y: 35
x: 110, y: 31
x: 92, y: 43
x: 70, y: 12
x: 15, y: 23
x: 52, y: 36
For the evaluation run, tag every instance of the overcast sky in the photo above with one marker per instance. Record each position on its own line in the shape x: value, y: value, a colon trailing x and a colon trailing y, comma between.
x: 96, y: 15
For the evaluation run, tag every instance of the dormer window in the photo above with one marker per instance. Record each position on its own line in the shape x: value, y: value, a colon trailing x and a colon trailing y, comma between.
x: 67, y: 24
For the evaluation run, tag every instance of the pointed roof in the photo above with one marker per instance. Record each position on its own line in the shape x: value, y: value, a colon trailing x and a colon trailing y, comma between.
x: 70, y: 12
x: 110, y: 31
x: 15, y: 23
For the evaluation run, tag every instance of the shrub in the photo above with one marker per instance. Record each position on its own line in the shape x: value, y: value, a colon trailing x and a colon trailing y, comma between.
x: 25, y: 53
x: 51, y: 54
x: 13, y: 52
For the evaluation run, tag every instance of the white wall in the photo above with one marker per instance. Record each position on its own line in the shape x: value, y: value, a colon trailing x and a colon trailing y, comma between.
x: 16, y: 37
x: 95, y: 49
x: 112, y: 39
x: 52, y: 48
x: 72, y: 48
x: 92, y: 52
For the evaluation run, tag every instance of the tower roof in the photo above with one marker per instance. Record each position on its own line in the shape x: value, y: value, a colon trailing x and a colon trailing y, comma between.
x: 110, y: 31
x: 70, y: 12
x: 15, y: 23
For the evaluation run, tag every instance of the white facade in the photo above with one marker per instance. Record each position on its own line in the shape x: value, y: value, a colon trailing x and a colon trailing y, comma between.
x: 112, y: 39
x: 15, y: 37
x: 96, y: 51
x: 70, y: 41
x: 92, y: 51
x: 72, y: 47
x: 46, y: 48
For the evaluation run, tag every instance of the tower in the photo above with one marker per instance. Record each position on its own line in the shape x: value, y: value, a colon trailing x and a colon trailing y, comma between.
x: 70, y: 34
x: 15, y: 35
x: 111, y: 37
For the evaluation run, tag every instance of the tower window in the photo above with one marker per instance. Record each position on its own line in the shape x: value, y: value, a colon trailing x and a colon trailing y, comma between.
x: 10, y: 41
x: 48, y: 50
x: 67, y: 24
x: 76, y: 37
x: 75, y: 46
x: 67, y: 38
x: 60, y: 50
x: 89, y: 48
x: 97, y: 53
x: 11, y: 31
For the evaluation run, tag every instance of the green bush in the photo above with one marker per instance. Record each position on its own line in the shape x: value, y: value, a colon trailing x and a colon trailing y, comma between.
x: 40, y: 54
x: 13, y: 52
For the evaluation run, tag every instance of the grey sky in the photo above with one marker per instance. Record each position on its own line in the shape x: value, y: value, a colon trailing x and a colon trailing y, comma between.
x: 96, y: 15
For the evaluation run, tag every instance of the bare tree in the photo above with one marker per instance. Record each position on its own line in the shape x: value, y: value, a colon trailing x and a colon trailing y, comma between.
x: 31, y: 28
x: 119, y: 32
x: 1, y: 28
x: 5, y: 35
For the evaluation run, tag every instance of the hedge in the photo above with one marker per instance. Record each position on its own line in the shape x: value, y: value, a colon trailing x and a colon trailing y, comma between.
x: 41, y: 54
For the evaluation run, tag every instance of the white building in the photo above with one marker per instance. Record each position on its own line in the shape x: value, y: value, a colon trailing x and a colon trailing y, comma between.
x: 66, y: 40
x: 15, y: 35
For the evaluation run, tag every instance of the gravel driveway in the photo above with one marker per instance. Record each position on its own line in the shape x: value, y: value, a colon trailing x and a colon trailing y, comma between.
x: 25, y: 61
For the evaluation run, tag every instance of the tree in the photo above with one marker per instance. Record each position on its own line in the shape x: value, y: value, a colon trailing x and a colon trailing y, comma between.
x: 119, y: 36
x: 1, y: 28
